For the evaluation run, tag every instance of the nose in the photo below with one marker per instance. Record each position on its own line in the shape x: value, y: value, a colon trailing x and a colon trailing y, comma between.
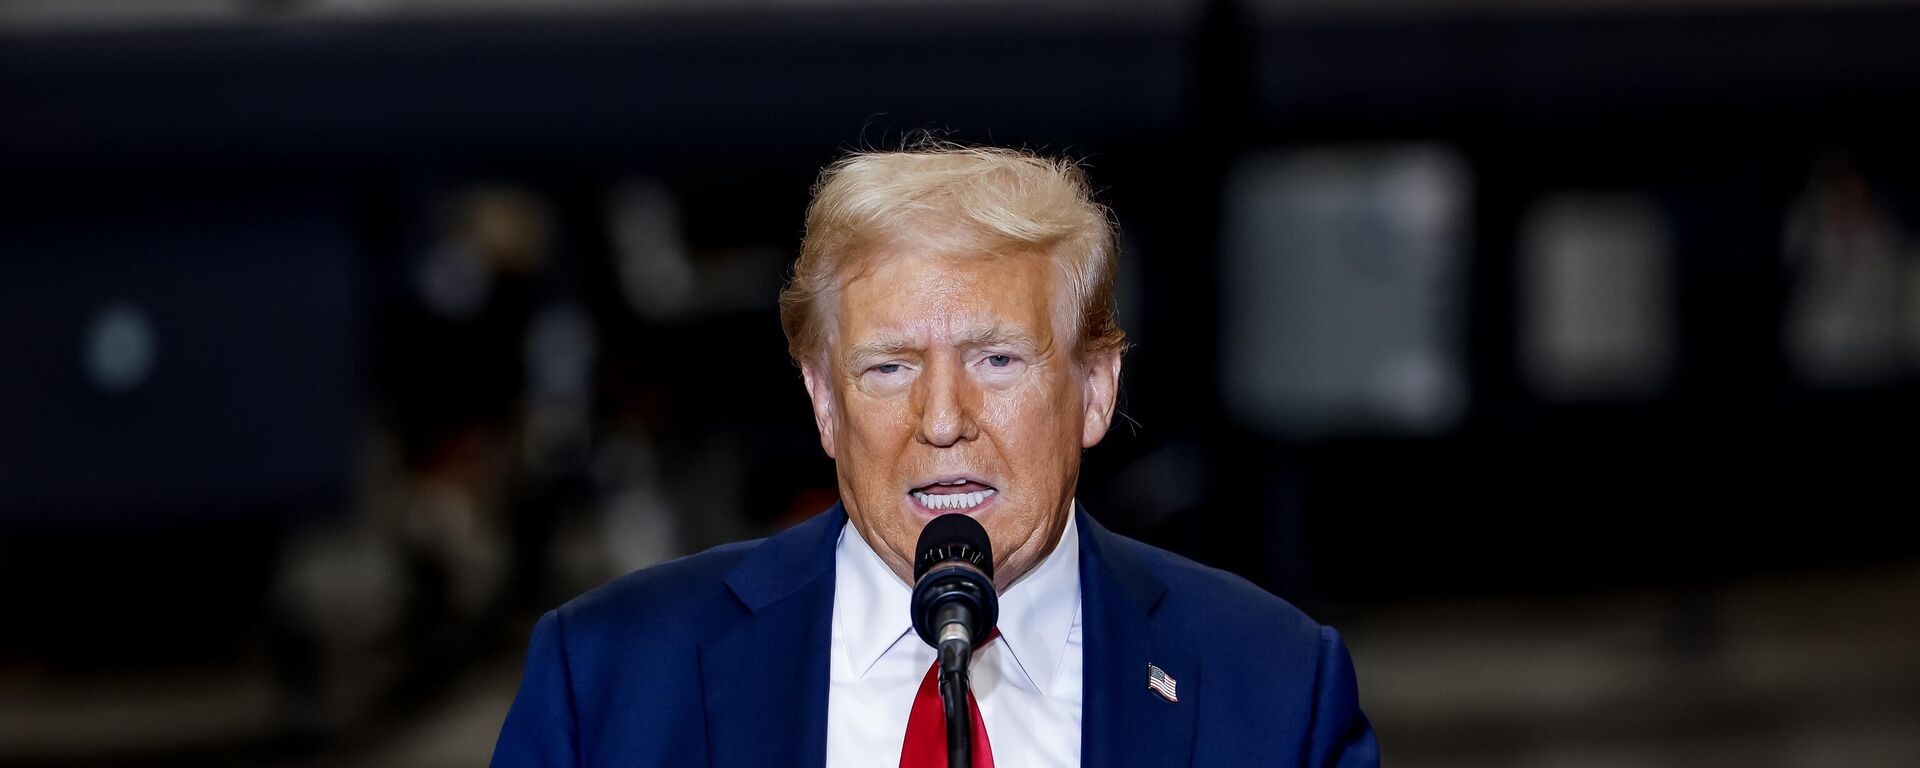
x: 947, y: 401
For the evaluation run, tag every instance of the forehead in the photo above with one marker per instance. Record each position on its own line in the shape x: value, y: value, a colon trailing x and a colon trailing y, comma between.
x: 923, y: 297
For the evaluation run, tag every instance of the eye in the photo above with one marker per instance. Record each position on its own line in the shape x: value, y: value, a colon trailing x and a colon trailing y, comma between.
x: 999, y: 361
x: 887, y: 368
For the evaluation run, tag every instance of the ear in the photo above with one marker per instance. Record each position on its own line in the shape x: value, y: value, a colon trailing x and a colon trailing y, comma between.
x: 820, y: 391
x: 1102, y: 391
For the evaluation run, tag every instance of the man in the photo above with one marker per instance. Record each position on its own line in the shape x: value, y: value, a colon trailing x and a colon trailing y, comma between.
x: 951, y: 313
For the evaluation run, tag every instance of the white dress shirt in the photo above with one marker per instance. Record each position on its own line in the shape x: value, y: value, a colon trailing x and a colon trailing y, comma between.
x: 1027, y: 681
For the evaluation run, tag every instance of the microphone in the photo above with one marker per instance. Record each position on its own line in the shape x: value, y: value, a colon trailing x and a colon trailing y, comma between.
x: 954, y: 609
x: 954, y: 605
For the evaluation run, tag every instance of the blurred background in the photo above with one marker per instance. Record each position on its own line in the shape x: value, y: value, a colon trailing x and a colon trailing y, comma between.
x: 1566, y: 355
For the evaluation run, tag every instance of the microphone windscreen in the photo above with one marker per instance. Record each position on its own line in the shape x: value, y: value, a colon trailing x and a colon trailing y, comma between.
x: 953, y: 537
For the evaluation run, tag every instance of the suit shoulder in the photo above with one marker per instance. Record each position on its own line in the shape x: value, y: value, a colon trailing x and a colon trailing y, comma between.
x: 676, y: 593
x: 1204, y: 599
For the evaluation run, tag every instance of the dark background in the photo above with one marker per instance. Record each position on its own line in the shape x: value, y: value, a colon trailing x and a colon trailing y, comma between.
x: 1563, y: 355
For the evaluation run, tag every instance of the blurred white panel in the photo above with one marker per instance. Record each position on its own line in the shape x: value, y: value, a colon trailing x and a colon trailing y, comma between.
x: 1596, y: 316
x: 1342, y: 283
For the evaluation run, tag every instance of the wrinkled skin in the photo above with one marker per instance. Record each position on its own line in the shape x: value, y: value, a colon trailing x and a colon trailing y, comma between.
x: 941, y: 366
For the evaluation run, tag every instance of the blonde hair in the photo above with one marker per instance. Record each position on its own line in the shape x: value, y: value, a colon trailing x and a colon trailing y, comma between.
x: 953, y: 199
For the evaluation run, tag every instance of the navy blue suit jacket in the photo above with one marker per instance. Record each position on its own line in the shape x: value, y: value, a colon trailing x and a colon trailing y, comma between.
x: 721, y: 659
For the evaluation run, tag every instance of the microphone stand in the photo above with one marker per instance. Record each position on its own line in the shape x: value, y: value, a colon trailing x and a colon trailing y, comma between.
x: 954, y: 655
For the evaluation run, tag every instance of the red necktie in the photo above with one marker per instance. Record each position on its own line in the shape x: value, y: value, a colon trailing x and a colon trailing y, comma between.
x: 926, y: 745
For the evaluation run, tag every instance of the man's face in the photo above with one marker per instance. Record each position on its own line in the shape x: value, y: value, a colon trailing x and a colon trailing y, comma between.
x: 950, y: 386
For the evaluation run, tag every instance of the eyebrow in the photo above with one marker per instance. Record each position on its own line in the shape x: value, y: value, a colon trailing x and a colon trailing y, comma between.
x: 875, y: 348
x: 863, y: 352
x: 997, y: 336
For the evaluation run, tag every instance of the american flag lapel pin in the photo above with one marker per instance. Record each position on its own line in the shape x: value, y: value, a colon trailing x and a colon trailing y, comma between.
x: 1162, y: 683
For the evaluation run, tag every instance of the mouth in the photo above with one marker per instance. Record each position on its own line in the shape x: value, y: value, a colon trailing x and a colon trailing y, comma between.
x: 953, y: 494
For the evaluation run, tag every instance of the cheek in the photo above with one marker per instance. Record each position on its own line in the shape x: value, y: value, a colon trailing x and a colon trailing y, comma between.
x: 1036, y: 422
x: 876, y: 426
x: 870, y: 439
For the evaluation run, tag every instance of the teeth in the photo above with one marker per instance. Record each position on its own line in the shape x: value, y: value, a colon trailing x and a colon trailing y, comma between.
x: 952, y: 500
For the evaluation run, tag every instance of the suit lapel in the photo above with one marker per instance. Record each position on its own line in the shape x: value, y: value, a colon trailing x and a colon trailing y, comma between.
x: 1122, y: 721
x: 765, y: 679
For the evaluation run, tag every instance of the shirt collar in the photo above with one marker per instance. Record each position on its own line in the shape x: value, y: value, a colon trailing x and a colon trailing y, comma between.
x: 1038, y: 612
x: 870, y: 603
x: 870, y: 612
